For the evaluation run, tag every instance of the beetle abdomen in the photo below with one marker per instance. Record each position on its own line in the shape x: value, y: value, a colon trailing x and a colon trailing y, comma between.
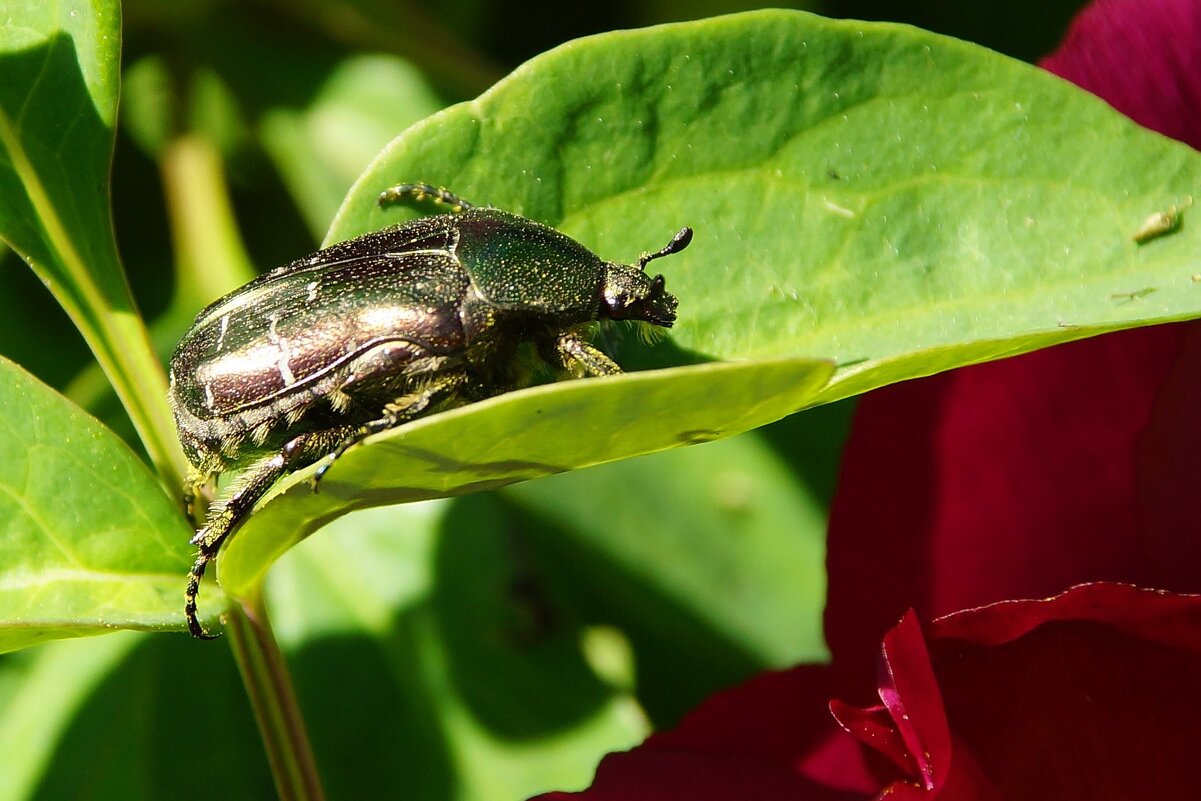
x: 256, y: 361
x: 254, y: 347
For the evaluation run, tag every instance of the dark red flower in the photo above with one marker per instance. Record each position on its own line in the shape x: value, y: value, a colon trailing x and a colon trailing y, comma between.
x: 1088, y: 695
x: 1015, y: 479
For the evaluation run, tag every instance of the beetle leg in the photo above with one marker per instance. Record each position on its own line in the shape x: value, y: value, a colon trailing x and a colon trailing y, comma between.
x: 196, y: 485
x: 192, y: 487
x: 227, y: 515
x: 189, y: 608
x: 419, y: 192
x: 398, y: 412
x: 224, y: 516
x: 573, y: 354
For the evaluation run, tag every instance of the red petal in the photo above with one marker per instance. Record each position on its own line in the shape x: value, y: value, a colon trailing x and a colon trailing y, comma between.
x: 1088, y: 695
x: 1143, y: 57
x: 1004, y: 480
x: 769, y: 738
x: 664, y: 774
x: 875, y: 728
x: 910, y: 693
x: 1168, y: 476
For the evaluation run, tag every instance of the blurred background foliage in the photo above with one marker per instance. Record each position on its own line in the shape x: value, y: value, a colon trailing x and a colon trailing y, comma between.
x: 484, y: 647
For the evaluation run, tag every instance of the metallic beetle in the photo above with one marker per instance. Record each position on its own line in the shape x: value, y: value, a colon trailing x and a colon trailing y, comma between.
x: 311, y: 358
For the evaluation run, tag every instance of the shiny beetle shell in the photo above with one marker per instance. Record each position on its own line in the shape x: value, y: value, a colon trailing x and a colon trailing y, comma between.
x: 309, y: 359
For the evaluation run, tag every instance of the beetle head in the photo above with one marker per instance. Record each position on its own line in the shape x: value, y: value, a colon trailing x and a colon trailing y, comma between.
x: 631, y: 294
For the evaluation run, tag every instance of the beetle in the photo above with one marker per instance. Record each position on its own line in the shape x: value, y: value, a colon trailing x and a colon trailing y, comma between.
x: 309, y: 359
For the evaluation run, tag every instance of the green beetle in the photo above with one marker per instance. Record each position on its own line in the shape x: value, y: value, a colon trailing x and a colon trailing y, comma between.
x: 309, y: 359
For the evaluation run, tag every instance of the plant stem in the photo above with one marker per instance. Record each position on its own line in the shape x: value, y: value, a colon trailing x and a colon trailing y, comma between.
x: 210, y: 258
x: 274, y: 701
x: 96, y: 297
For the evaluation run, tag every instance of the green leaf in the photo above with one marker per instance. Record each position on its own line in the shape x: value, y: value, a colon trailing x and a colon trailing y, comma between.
x: 892, y: 200
x: 522, y: 435
x: 457, y: 654
x: 711, y: 559
x: 897, y: 201
x: 128, y: 717
x: 320, y: 150
x: 88, y: 540
x: 58, y: 100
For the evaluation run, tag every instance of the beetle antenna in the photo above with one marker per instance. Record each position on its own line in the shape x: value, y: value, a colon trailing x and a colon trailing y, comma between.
x: 677, y: 243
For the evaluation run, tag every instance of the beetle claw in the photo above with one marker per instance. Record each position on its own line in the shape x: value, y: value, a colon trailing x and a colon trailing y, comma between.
x: 320, y: 474
x: 195, y: 575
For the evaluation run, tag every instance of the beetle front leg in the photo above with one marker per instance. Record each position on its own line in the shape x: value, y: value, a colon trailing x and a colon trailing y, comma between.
x: 574, y: 355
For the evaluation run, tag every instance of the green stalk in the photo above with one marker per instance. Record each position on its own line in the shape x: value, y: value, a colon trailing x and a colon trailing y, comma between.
x: 107, y: 318
x: 274, y: 701
x: 211, y: 260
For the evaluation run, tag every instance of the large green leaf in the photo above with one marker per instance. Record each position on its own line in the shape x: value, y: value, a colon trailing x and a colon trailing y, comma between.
x: 88, y: 541
x: 872, y: 194
x: 128, y: 717
x: 710, y: 559
x: 487, y: 691
x: 862, y: 192
x: 58, y: 100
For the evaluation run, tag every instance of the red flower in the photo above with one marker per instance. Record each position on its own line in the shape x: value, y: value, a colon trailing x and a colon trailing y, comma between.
x: 1086, y: 695
x: 1015, y: 479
